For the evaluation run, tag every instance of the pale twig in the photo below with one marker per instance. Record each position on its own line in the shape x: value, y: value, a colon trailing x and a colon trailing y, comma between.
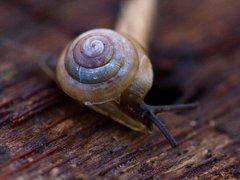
x: 137, y: 19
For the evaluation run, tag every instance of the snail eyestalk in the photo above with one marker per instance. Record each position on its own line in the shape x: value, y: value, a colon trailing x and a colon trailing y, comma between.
x: 163, y: 129
x: 151, y: 111
x: 177, y: 107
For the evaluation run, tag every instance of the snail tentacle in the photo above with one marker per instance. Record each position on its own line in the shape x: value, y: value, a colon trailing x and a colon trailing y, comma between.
x: 150, y: 112
x: 177, y: 107
x: 161, y: 126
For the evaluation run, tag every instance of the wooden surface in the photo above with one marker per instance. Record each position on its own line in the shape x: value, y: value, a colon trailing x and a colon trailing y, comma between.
x: 196, y: 57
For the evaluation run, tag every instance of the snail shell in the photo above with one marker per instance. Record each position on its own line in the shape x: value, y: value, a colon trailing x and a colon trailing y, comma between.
x: 102, y: 65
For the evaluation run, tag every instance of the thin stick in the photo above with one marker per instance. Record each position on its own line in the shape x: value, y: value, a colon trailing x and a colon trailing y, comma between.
x: 137, y: 19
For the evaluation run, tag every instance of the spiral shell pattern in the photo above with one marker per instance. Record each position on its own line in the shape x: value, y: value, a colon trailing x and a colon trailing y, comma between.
x: 97, y: 66
x: 96, y: 57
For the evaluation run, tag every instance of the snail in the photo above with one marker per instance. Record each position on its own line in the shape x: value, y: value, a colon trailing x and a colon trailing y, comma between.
x: 110, y: 73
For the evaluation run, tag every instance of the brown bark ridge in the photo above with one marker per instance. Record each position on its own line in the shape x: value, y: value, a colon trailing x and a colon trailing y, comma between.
x: 195, y: 55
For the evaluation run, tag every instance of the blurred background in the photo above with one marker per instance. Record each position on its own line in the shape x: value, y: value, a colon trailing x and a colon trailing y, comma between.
x: 195, y: 54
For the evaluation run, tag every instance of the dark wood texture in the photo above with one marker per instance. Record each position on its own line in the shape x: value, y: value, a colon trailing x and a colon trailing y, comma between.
x: 196, y: 57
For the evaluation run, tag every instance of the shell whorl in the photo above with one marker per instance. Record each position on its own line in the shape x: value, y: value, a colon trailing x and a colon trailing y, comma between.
x: 99, y: 65
x: 95, y: 57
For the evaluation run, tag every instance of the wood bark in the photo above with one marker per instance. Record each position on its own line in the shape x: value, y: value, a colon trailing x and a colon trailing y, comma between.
x: 46, y: 134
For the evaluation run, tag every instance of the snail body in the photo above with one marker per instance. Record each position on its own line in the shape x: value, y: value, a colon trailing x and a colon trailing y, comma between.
x: 110, y: 73
x: 101, y: 68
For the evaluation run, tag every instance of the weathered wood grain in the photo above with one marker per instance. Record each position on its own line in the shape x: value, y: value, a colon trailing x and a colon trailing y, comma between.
x: 196, y: 57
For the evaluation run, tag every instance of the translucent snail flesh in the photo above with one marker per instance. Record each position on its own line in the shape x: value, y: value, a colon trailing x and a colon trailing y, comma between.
x: 111, y: 74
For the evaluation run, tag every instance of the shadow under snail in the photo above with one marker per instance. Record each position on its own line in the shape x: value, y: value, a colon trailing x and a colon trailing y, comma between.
x: 110, y: 73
